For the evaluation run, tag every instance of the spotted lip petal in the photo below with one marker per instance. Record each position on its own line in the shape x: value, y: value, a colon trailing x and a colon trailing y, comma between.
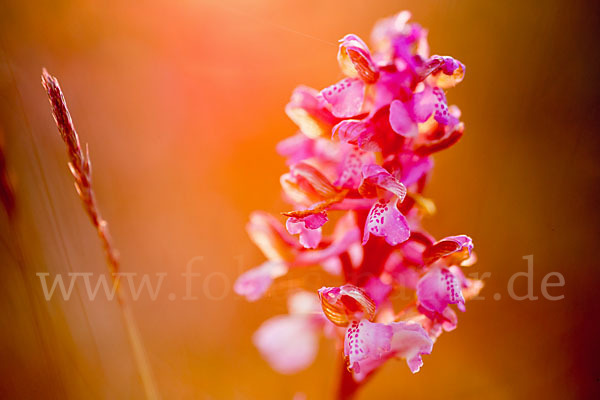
x: 368, y: 345
x: 350, y: 168
x: 445, y: 71
x: 385, y: 220
x: 431, y: 101
x: 345, y: 97
x: 439, y: 288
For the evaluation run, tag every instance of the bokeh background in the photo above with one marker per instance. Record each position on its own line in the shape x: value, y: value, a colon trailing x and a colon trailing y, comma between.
x: 182, y: 102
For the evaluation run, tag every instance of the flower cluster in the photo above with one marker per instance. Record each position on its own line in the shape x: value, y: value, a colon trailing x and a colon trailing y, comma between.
x: 362, y: 158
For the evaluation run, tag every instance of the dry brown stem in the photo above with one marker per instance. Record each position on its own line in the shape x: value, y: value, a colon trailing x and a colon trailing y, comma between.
x: 81, y: 168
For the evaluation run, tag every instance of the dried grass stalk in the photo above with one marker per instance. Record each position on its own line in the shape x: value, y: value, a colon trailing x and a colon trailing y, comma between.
x: 81, y: 168
x: 7, y: 194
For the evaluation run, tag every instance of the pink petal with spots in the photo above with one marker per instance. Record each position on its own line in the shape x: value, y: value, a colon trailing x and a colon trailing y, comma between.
x: 368, y: 345
x: 431, y: 101
x: 255, y: 282
x: 445, y: 71
x: 349, y: 169
x: 345, y: 97
x: 470, y: 287
x: 439, y: 288
x: 385, y: 220
x: 288, y: 342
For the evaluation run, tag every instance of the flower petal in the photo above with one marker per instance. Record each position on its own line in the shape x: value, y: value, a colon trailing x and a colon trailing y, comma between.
x: 340, y: 244
x: 308, y: 227
x: 371, y: 134
x: 470, y: 287
x: 439, y: 288
x: 309, y: 112
x: 289, y: 343
x: 296, y: 148
x: 305, y: 185
x: 304, y: 303
x: 446, y: 72
x: 431, y: 101
x: 311, y: 179
x: 377, y: 290
x: 368, y: 345
x: 270, y: 237
x: 401, y: 119
x: 346, y: 97
x: 410, y: 341
x: 375, y: 176
x: 454, y: 250
x: 385, y: 220
x: 355, y: 60
x: 255, y: 282
x: 414, y: 168
x: 435, y: 323
x: 385, y: 30
x: 351, y: 166
x: 450, y: 138
x: 345, y: 303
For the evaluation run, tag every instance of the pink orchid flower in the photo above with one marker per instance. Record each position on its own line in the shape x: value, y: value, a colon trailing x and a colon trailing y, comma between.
x: 358, y: 168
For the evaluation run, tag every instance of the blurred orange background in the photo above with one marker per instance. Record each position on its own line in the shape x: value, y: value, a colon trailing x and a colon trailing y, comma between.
x: 182, y: 105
